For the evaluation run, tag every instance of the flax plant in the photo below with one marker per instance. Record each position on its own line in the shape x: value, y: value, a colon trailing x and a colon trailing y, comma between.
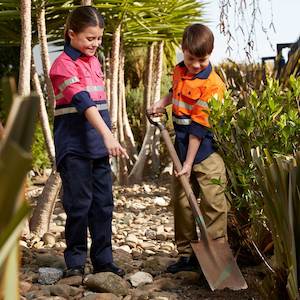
x: 15, y: 162
x: 279, y: 183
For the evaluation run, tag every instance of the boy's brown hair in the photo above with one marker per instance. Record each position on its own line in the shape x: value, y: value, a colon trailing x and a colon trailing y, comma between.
x: 198, y: 40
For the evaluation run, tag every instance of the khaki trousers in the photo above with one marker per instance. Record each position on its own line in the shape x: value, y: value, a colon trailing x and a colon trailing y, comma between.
x: 213, y: 204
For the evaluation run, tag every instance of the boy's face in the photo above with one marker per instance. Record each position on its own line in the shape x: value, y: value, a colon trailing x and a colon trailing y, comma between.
x: 195, y: 64
x: 88, y: 40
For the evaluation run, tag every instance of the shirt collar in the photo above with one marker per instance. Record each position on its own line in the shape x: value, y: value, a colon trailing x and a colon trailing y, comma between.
x: 204, y: 74
x: 72, y: 52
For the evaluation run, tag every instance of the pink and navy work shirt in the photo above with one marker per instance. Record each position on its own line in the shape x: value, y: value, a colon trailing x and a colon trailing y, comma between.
x: 78, y: 84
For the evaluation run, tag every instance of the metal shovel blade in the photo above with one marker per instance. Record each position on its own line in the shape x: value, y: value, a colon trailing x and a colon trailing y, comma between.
x: 218, y: 265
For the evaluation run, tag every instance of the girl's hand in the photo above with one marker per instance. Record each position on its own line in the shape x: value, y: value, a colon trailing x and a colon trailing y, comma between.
x: 113, y: 147
x: 186, y: 170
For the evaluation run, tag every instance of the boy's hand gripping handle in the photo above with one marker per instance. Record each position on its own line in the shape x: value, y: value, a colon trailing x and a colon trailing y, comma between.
x: 178, y: 166
x: 156, y: 118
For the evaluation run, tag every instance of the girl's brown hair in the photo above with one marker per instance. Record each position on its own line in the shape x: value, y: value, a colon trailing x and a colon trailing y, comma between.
x: 198, y: 40
x: 82, y: 17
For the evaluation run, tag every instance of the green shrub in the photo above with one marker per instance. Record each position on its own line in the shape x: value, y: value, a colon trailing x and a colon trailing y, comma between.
x: 39, y: 151
x: 269, y: 119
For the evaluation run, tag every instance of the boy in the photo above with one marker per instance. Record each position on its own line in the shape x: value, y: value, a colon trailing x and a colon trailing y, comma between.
x: 194, y: 84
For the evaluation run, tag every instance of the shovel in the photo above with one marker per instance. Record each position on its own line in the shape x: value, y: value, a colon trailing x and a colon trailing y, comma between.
x: 214, y: 256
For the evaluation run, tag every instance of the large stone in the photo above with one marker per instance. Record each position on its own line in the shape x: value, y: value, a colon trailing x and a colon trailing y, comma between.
x: 73, y: 280
x: 163, y: 296
x: 102, y: 296
x: 49, y: 238
x: 37, y: 294
x: 106, y: 282
x: 160, y: 201
x: 190, y: 277
x: 140, y: 278
x: 160, y: 233
x: 54, y: 261
x: 157, y: 264
x: 125, y: 248
x: 49, y: 275
x: 132, y: 238
x: 64, y: 290
x: 164, y: 284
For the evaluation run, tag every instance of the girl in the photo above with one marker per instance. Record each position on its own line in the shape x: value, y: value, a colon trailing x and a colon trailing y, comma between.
x: 83, y: 143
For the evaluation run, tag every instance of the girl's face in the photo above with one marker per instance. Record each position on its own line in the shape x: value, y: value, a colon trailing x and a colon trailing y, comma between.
x: 88, y: 40
x: 195, y: 64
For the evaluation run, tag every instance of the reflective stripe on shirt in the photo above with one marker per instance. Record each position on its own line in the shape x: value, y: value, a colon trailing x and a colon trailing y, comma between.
x: 94, y: 88
x: 67, y: 82
x: 182, y: 104
x: 181, y: 121
x: 89, y: 88
x: 72, y: 110
x: 202, y: 103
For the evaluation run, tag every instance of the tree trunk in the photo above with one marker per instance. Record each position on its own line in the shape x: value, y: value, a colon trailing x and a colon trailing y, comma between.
x: 42, y: 213
x: 43, y: 116
x: 156, y: 97
x: 128, y: 135
x: 114, y: 78
x: 136, y: 174
x: 148, y: 81
x: 128, y: 138
x: 42, y: 34
x: 1, y: 130
x: 41, y: 217
x: 86, y: 2
x: 25, y: 59
x: 123, y: 170
x: 25, y: 51
x: 114, y: 91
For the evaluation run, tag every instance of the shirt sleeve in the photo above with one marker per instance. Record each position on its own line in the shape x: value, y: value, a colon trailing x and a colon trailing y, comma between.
x: 66, y: 82
x: 82, y: 101
x: 200, y: 113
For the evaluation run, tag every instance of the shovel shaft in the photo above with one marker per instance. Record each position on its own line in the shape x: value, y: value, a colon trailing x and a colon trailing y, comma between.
x: 186, y: 185
x: 214, y: 256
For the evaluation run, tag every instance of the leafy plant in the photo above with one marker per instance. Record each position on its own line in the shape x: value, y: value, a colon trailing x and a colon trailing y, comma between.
x: 15, y: 161
x: 279, y: 183
x: 268, y: 118
x: 39, y: 153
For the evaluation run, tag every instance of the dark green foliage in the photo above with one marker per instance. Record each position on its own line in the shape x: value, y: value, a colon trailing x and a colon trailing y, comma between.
x: 268, y: 119
x: 39, y: 152
x: 9, y: 61
x: 9, y: 66
x: 279, y: 183
x: 135, y: 66
x: 135, y: 110
x: 15, y: 160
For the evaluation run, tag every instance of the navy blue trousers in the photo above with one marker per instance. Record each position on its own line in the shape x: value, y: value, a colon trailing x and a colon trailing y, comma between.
x: 88, y: 203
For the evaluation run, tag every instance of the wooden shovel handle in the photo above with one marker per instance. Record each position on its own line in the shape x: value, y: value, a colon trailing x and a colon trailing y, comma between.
x: 186, y: 185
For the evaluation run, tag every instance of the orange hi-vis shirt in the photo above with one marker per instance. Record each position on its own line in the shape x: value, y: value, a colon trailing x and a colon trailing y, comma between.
x: 190, y: 112
x: 191, y: 94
